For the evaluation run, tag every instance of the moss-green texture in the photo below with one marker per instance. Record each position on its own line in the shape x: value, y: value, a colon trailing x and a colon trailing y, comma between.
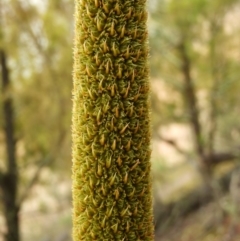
x: 111, y: 139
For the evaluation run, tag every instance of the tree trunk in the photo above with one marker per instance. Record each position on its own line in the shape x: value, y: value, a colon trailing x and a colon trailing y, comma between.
x: 11, y: 210
x: 9, y: 179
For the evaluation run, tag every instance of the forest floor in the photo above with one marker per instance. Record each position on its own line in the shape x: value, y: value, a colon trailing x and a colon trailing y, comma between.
x: 206, y: 224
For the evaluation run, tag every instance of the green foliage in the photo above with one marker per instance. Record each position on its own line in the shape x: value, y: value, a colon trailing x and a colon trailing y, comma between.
x: 210, y: 37
x: 111, y: 168
x: 40, y: 66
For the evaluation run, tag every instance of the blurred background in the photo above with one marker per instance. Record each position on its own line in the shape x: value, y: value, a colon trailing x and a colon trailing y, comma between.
x: 195, y: 78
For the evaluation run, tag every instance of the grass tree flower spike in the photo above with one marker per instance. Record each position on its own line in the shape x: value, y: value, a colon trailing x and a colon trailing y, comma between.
x: 111, y: 131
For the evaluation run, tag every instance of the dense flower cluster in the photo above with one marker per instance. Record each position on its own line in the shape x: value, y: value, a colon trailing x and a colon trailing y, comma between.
x: 111, y: 168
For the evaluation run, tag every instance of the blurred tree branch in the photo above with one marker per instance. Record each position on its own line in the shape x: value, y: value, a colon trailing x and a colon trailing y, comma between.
x: 34, y: 180
x: 190, y: 98
x: 172, y: 143
x: 211, y: 160
x: 215, y: 27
